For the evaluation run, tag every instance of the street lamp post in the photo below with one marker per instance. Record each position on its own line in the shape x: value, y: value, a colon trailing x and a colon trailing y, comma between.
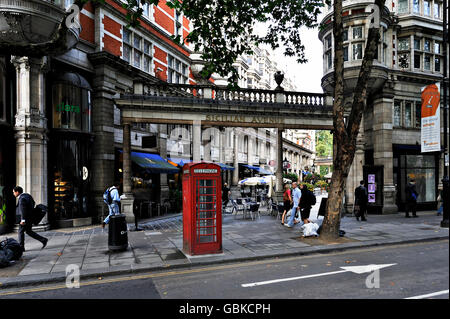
x: 445, y: 181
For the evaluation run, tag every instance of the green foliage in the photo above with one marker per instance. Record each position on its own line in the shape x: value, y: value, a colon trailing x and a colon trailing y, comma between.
x: 324, y: 144
x: 309, y: 186
x: 292, y: 176
x: 323, y: 185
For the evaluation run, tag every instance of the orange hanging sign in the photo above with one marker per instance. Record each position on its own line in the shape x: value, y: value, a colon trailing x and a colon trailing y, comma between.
x: 430, y: 119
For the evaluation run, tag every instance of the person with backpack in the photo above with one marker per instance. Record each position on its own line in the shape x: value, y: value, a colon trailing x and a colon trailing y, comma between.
x: 411, y: 199
x: 24, y: 209
x: 112, y: 199
x: 308, y: 199
x: 361, y: 200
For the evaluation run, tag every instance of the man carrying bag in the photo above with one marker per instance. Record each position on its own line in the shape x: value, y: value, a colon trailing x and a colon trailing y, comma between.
x: 24, y: 208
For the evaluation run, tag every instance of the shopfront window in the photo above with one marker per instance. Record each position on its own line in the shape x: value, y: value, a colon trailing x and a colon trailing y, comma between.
x: 69, y: 156
x: 422, y: 168
x: 71, y: 98
x: 71, y: 179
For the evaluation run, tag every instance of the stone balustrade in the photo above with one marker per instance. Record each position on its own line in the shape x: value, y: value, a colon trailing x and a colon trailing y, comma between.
x: 220, y: 95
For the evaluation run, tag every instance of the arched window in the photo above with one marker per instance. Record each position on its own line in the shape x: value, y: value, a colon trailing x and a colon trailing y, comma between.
x: 71, y: 99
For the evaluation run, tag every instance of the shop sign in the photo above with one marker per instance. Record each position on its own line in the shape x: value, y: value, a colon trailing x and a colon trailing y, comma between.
x: 430, y: 133
x: 205, y: 171
x: 244, y: 119
x: 67, y: 108
x: 85, y: 173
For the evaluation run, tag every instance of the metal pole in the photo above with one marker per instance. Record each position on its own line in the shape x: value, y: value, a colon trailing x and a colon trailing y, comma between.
x: 445, y: 181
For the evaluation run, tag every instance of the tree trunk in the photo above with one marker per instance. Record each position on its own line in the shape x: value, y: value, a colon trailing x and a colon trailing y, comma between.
x: 345, y: 134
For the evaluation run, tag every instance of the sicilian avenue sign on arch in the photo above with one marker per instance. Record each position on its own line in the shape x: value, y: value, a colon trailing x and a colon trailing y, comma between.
x: 244, y: 119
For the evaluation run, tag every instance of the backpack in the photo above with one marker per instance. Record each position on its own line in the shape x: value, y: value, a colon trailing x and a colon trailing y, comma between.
x: 39, y: 212
x: 310, y: 198
x: 107, y: 195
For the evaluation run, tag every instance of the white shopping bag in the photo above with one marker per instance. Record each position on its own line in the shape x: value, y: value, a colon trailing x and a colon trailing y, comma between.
x: 310, y: 229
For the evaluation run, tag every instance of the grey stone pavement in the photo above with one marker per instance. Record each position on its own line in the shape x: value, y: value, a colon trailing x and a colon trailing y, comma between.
x: 159, y: 245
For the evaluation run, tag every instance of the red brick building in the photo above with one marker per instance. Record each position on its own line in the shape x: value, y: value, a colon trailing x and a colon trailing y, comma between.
x: 69, y: 119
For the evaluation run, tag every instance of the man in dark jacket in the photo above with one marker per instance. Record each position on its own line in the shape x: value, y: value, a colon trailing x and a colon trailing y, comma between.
x: 24, y: 208
x: 411, y: 199
x: 305, y: 203
x: 361, y: 199
x: 225, y: 195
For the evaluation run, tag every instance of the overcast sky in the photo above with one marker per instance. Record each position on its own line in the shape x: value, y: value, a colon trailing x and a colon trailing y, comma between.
x: 307, y: 76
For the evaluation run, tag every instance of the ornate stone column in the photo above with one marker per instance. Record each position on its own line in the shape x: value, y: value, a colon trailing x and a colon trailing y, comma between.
x: 383, y: 153
x: 162, y: 144
x: 102, y: 163
x: 31, y: 129
x: 206, y: 142
x: 196, y: 141
x: 127, y: 198
x: 279, y: 172
x: 235, y: 158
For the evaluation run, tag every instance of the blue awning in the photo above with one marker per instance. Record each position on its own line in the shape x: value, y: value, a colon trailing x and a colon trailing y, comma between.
x: 259, y: 169
x: 180, y: 161
x: 225, y: 167
x: 153, y: 163
x: 252, y: 167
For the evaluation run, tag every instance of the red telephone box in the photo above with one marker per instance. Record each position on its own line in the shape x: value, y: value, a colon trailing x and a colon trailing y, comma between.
x: 202, y: 209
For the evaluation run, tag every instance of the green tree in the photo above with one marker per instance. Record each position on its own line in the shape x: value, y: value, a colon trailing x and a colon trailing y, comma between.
x: 324, y: 143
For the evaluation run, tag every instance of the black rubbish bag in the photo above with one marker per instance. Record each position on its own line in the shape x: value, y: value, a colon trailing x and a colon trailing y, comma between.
x: 10, y: 251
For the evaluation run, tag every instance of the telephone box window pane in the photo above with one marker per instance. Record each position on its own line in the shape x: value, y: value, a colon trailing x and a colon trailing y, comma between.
x: 206, y: 211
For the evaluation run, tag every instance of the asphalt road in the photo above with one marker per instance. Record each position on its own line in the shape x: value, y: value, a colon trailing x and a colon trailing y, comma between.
x: 416, y: 270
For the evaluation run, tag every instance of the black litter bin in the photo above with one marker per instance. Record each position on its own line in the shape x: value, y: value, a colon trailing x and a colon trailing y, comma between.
x: 117, y: 233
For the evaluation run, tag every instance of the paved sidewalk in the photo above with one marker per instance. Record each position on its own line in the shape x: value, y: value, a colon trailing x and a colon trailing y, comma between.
x: 159, y: 245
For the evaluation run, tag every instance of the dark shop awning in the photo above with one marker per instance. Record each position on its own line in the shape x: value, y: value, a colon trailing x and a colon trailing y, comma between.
x: 225, y: 167
x: 153, y: 163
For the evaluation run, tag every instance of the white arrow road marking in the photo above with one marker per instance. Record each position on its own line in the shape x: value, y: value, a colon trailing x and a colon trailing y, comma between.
x: 443, y: 292
x: 354, y: 269
x: 364, y: 269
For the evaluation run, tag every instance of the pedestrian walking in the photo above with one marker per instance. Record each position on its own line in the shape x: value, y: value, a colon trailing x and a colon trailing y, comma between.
x: 307, y: 200
x: 24, y: 208
x: 225, y: 195
x: 361, y: 199
x: 112, y: 199
x: 440, y: 204
x: 411, y: 199
x: 296, y: 195
x: 287, y: 202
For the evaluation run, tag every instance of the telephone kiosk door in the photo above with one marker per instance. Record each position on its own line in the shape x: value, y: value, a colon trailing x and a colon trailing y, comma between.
x: 202, y: 209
